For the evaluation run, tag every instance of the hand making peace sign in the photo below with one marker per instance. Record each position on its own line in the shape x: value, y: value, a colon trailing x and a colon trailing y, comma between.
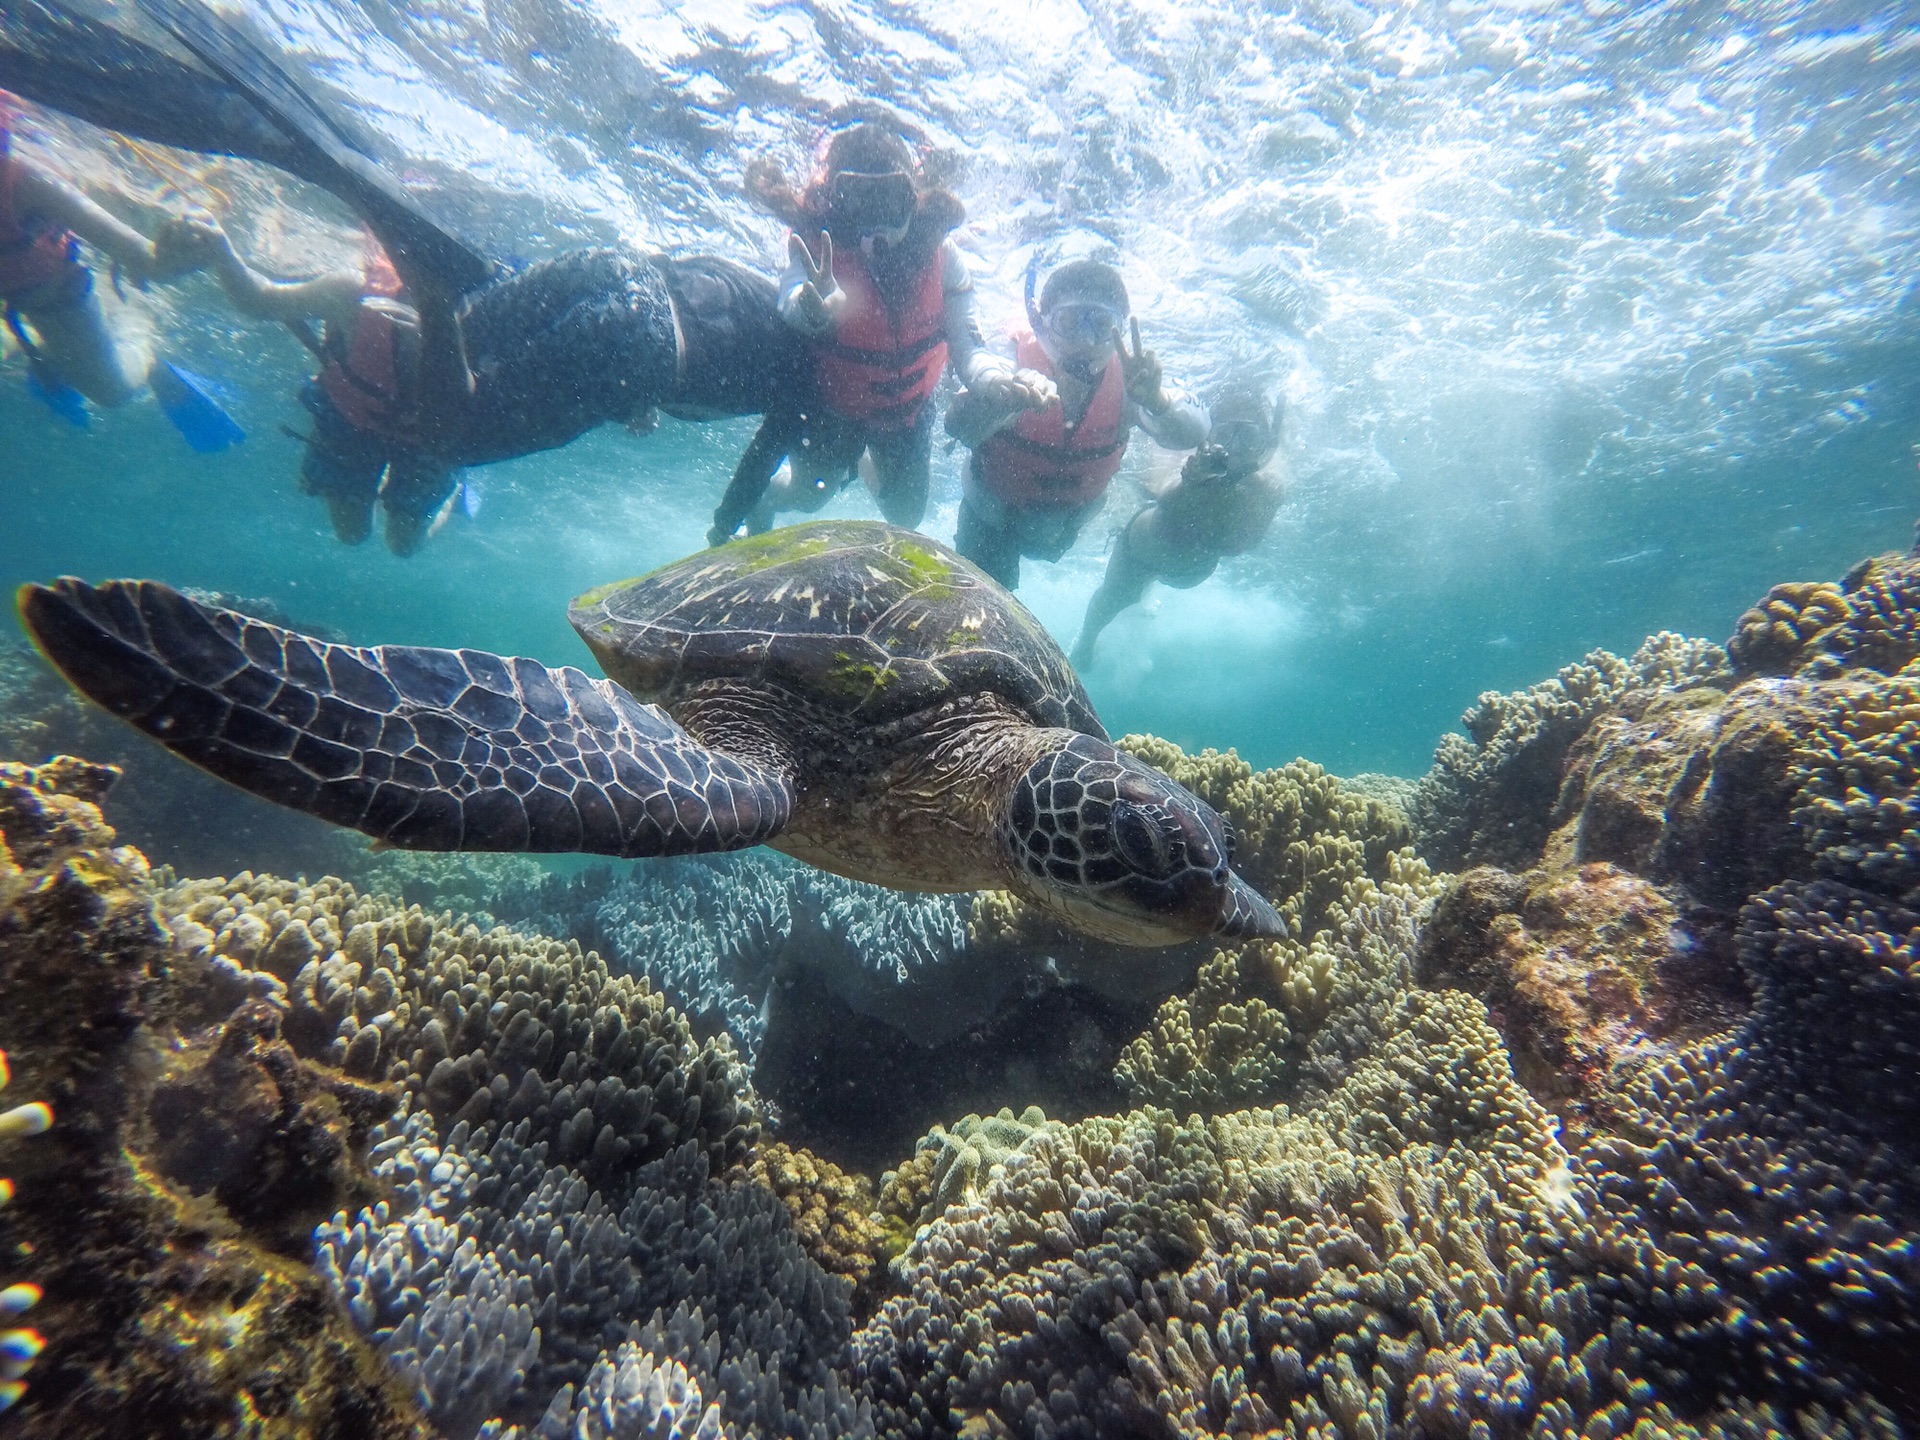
x: 1142, y: 370
x: 820, y: 297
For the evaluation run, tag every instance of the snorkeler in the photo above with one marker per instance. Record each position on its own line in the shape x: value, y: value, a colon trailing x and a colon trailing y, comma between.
x: 883, y: 300
x: 1037, y: 475
x: 459, y: 363
x: 74, y: 352
x: 1222, y: 504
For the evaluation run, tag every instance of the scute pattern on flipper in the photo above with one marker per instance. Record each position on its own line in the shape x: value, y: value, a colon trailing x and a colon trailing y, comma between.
x: 874, y: 621
x: 426, y: 749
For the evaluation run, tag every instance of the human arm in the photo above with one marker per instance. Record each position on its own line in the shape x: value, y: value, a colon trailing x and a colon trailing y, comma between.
x: 331, y: 297
x: 169, y: 255
x: 996, y: 391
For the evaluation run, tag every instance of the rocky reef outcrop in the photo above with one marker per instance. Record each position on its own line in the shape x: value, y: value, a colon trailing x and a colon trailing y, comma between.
x: 166, y: 1311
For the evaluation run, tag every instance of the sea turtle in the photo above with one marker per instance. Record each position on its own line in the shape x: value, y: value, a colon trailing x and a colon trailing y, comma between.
x: 855, y: 695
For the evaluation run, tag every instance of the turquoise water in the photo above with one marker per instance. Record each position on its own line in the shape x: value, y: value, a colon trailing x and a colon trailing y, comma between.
x: 1356, y: 634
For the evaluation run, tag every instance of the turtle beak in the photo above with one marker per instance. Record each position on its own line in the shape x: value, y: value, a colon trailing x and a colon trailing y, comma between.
x: 1244, y: 915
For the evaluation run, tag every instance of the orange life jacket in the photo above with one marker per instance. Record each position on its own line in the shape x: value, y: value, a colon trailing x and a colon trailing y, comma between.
x: 30, y: 256
x: 876, y: 365
x: 368, y: 372
x: 1039, y: 459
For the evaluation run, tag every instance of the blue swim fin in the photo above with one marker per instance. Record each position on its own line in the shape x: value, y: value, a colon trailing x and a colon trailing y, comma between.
x: 58, y: 396
x: 185, y: 401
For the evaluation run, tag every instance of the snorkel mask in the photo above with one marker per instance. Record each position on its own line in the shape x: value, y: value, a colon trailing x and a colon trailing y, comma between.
x: 1076, y: 333
x: 1242, y: 437
x: 879, y: 205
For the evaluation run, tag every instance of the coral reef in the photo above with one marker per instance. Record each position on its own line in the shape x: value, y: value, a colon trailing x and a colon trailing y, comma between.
x: 1489, y: 798
x: 1335, y: 1270
x: 19, y: 1346
x: 1870, y: 620
x: 834, y: 1213
x: 628, y: 1396
x: 1857, y: 787
x: 1328, y: 860
x: 166, y: 1314
x: 1345, y: 1205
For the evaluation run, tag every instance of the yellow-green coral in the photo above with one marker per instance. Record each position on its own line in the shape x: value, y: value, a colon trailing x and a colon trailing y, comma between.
x: 163, y: 1307
x: 1858, y: 774
x: 1870, y: 620
x: 833, y: 1211
x: 1261, y: 1011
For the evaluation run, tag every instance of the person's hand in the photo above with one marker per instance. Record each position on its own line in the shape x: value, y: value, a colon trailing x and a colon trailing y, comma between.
x: 1021, y: 389
x: 1141, y: 369
x: 820, y: 298
x: 184, y: 244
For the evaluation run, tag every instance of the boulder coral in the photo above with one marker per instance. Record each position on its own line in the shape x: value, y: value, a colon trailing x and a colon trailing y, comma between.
x: 1489, y: 798
x: 166, y: 1313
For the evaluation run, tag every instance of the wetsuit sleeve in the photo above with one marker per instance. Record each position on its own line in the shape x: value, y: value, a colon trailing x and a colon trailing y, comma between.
x: 966, y: 347
x: 1183, y: 425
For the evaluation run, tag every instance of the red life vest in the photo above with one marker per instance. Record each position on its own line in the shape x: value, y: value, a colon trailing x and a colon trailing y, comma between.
x: 875, y: 365
x: 366, y: 375
x: 1039, y: 459
x: 31, y: 256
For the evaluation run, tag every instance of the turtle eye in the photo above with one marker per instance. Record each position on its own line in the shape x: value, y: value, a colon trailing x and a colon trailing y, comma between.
x: 1139, y: 840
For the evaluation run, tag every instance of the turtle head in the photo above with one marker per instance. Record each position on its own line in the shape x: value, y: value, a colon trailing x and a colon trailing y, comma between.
x: 1116, y: 850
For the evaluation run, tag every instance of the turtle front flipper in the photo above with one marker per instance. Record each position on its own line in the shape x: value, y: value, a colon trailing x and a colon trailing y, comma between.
x: 424, y: 749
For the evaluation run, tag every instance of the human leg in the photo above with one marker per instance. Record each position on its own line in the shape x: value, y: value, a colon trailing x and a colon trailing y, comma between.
x: 415, y: 497
x: 903, y: 471
x: 1124, y: 583
x: 75, y: 343
x: 985, y: 537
